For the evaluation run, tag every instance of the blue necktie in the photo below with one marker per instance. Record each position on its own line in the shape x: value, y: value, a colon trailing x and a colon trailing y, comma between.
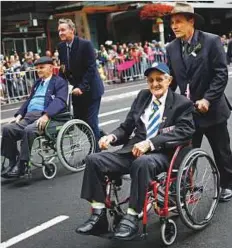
x: 154, y: 120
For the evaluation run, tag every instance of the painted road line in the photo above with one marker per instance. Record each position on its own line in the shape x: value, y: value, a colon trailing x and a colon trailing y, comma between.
x: 6, y: 120
x: 114, y: 112
x: 100, y: 115
x: 125, y: 87
x: 107, y: 123
x: 120, y: 96
x: 33, y: 231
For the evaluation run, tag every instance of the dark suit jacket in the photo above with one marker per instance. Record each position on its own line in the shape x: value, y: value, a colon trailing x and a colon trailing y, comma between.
x: 229, y: 52
x: 207, y: 75
x: 177, y: 114
x: 84, y: 73
x: 55, y: 98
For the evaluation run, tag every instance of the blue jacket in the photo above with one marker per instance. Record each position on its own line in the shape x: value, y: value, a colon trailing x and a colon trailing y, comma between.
x: 82, y: 67
x: 55, y: 98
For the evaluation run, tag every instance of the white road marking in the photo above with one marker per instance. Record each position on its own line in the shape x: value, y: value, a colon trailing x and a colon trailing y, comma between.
x: 114, y: 112
x: 120, y: 96
x: 125, y: 87
x: 106, y: 123
x: 100, y: 115
x: 33, y: 231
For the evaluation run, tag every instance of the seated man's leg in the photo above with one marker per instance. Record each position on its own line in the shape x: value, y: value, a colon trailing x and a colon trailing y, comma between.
x: 143, y: 171
x: 97, y: 166
x: 11, y: 133
x: 29, y: 134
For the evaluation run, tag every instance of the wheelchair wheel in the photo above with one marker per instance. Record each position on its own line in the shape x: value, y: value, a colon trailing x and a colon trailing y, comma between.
x: 49, y: 170
x: 197, y: 189
x: 168, y: 232
x: 75, y: 141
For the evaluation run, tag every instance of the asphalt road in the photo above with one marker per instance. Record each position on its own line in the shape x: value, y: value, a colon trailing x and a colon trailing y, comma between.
x: 46, y: 212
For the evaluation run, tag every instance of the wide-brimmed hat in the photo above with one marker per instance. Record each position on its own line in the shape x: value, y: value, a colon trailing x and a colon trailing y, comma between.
x: 187, y: 9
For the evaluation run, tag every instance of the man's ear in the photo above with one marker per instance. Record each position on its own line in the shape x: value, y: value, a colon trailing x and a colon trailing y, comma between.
x: 170, y: 79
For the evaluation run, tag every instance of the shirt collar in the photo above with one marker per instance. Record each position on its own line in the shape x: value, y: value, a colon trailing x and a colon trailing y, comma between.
x: 162, y: 99
x: 47, y: 79
x: 69, y: 44
x: 193, y: 39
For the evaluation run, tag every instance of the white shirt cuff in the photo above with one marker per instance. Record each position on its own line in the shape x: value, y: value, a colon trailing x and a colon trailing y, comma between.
x: 151, y: 145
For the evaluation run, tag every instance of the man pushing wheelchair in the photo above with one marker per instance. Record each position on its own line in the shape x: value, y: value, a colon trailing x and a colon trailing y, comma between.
x: 157, y: 116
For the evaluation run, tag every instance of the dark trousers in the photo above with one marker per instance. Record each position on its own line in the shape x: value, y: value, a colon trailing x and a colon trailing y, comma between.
x: 219, y: 141
x: 26, y: 131
x: 87, y: 109
x: 142, y: 171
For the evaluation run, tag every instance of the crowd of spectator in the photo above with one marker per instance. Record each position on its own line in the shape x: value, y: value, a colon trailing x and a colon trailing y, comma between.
x: 18, y: 75
x: 116, y: 63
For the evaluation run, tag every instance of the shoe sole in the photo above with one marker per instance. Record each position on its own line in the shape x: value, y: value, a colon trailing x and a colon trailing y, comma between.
x: 126, y: 239
x: 225, y: 199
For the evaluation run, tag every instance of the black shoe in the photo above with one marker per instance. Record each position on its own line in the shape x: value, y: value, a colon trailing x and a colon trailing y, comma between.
x: 127, y: 228
x: 226, y: 195
x: 6, y: 170
x: 18, y: 170
x: 97, y: 223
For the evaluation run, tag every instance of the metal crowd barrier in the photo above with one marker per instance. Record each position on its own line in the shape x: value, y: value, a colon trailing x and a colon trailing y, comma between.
x: 16, y: 86
x: 119, y: 71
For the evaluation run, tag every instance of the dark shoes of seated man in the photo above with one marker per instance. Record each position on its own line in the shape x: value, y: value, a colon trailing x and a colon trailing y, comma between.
x: 97, y: 224
x: 14, y: 170
x: 225, y: 195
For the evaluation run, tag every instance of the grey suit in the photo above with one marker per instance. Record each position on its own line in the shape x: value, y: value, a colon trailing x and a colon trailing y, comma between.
x: 177, y: 113
x: 207, y: 76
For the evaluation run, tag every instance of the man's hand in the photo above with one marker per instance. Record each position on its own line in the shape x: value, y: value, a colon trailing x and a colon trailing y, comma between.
x: 141, y: 148
x: 77, y: 92
x: 202, y: 105
x: 105, y: 141
x: 17, y: 119
x: 41, y: 122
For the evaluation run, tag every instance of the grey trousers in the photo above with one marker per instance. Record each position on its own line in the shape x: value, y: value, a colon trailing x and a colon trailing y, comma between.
x: 142, y: 171
x: 26, y: 131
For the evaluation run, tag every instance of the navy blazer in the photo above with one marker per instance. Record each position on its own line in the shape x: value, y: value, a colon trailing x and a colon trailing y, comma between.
x: 177, y: 119
x: 55, y: 98
x: 82, y: 67
x: 206, y: 73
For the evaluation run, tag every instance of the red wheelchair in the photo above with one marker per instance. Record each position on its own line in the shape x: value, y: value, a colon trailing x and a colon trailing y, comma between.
x: 190, y: 188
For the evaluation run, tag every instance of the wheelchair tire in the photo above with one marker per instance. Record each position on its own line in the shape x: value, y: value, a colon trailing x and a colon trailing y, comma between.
x: 81, y: 142
x: 197, y: 172
x: 49, y: 170
x: 168, y: 232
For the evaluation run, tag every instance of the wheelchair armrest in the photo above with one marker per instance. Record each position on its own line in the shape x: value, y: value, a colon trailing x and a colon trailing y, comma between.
x: 174, y: 144
x: 64, y: 116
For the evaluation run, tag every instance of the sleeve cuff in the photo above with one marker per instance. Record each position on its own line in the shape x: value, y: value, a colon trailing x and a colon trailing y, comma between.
x: 151, y: 145
x: 115, y: 138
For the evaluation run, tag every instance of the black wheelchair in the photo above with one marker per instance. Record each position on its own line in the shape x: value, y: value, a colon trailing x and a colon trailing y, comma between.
x: 190, y: 189
x: 65, y: 139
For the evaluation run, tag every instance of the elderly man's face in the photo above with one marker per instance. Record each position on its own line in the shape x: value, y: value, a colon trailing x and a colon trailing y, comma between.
x: 44, y: 71
x: 158, y: 83
x: 65, y: 32
x: 181, y: 26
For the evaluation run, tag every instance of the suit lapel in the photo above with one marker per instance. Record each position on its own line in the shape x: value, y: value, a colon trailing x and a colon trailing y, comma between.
x: 145, y: 102
x: 191, y: 58
x: 167, y: 110
x: 74, y: 49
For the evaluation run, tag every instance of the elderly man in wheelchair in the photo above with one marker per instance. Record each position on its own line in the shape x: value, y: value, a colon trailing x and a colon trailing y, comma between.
x: 157, y: 116
x: 48, y: 98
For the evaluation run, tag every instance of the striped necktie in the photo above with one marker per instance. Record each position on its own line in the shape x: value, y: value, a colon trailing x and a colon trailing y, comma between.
x: 154, y: 120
